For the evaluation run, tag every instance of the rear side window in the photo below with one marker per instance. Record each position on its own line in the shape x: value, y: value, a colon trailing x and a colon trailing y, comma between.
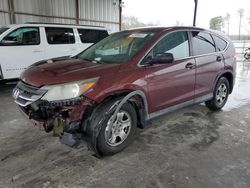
x: 60, y: 35
x: 202, y: 43
x: 175, y: 43
x: 91, y: 35
x: 220, y: 43
x: 23, y: 36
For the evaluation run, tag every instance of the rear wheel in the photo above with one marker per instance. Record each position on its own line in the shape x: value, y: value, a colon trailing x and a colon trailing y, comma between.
x: 220, y: 95
x: 247, y: 56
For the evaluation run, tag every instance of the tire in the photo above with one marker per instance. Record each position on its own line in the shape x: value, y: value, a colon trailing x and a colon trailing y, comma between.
x: 220, y: 95
x: 106, y: 143
x: 246, y: 56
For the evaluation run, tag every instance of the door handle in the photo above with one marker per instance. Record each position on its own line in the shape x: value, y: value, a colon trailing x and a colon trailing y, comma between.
x: 37, y: 51
x: 190, y: 66
x: 218, y: 58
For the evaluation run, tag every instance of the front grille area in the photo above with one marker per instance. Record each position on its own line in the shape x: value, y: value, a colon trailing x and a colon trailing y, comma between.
x: 25, y: 94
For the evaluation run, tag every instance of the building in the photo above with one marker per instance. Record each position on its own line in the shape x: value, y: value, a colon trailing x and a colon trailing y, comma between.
x: 105, y: 13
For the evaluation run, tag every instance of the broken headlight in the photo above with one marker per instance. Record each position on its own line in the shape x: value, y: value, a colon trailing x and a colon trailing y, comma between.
x: 68, y: 90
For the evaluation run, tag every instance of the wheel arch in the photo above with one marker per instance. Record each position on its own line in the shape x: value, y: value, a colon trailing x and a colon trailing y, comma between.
x: 137, y: 98
x: 229, y: 76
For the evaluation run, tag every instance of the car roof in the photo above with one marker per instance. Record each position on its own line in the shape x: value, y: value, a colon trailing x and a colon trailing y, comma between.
x: 58, y: 25
x: 160, y: 28
x: 176, y: 28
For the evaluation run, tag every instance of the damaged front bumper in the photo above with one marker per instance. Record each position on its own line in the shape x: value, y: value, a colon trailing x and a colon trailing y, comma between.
x: 63, y: 117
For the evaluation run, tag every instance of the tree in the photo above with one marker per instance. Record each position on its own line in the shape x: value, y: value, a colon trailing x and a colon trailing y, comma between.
x: 178, y: 23
x: 132, y: 22
x: 216, y: 23
x: 227, y: 21
x: 241, y: 14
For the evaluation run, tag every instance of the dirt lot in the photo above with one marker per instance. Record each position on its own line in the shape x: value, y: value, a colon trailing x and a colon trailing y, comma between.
x: 192, y: 148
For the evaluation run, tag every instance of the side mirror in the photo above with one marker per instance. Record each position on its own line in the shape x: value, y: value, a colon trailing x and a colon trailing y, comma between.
x: 8, y: 41
x: 162, y: 59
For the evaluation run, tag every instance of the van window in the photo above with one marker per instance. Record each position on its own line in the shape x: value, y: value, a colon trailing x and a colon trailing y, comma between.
x: 91, y: 35
x: 175, y: 43
x: 220, y: 43
x: 23, y: 36
x: 59, y: 35
x: 202, y: 43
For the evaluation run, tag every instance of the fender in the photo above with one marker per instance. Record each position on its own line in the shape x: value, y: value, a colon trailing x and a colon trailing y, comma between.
x: 126, y: 98
x: 220, y: 74
x: 92, y: 130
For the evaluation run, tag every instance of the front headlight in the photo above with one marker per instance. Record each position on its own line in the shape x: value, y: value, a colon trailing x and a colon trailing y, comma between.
x: 68, y: 90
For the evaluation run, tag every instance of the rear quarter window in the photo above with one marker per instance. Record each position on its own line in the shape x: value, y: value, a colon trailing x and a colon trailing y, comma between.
x: 220, y: 43
x: 91, y: 35
x: 59, y: 35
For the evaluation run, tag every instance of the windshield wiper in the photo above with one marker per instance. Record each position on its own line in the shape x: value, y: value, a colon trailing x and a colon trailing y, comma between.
x: 86, y: 59
x: 93, y: 61
x: 99, y: 62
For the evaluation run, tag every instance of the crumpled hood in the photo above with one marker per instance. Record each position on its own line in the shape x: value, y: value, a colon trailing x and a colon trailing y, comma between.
x: 64, y: 71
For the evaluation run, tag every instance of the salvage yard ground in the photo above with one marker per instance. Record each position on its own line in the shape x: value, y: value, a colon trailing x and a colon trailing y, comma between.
x: 192, y: 147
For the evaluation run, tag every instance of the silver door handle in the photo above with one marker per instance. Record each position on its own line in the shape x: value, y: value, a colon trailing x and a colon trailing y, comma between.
x: 37, y: 51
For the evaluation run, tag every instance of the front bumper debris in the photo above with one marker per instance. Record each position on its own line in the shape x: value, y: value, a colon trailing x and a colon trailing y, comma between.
x: 63, y: 117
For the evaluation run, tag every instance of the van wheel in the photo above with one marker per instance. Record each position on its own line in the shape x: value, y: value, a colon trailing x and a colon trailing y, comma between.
x: 220, y: 95
x: 113, y: 138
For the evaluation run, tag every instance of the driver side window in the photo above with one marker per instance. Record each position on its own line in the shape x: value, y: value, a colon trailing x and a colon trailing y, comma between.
x: 23, y: 36
x: 175, y: 43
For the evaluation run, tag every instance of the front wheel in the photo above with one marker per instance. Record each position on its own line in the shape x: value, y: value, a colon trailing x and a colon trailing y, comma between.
x: 220, y: 95
x: 114, y: 137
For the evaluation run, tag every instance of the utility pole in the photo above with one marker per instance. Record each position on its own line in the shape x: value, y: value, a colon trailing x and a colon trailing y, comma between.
x: 241, y: 14
x: 195, y: 12
x: 227, y: 19
x: 121, y: 4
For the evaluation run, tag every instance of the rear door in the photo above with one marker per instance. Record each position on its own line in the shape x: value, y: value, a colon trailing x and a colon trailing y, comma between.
x: 209, y: 62
x: 173, y: 83
x: 19, y: 49
x: 60, y: 42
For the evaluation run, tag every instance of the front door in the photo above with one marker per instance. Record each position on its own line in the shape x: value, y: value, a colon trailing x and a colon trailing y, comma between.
x: 172, y: 83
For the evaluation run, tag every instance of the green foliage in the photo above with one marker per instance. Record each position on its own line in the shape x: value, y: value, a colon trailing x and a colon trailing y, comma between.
x: 133, y: 22
x: 216, y: 23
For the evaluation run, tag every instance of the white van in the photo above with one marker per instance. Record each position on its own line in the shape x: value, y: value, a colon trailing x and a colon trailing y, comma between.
x: 24, y: 44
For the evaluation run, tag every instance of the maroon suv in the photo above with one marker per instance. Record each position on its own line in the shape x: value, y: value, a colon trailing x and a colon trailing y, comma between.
x: 104, y: 93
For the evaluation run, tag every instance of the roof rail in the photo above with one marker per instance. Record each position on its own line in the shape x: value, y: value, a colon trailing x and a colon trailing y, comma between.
x: 62, y: 24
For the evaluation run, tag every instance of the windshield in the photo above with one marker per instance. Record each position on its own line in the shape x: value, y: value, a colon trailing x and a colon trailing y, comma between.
x: 2, y: 29
x: 117, y: 48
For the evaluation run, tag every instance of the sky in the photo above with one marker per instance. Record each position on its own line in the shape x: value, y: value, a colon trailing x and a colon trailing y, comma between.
x: 168, y: 12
